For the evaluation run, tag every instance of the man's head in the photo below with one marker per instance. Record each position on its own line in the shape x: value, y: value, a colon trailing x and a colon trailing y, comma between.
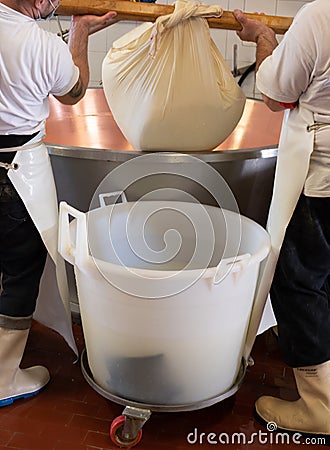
x: 37, y: 9
x: 46, y: 13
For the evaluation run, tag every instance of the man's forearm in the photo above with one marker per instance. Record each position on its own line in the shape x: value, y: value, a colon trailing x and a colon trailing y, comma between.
x: 78, y: 44
x: 266, y: 43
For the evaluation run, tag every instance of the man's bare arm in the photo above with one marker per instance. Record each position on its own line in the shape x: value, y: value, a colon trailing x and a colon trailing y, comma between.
x: 80, y: 29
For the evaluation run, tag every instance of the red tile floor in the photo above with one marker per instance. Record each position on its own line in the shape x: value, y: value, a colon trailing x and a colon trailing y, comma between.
x: 70, y: 415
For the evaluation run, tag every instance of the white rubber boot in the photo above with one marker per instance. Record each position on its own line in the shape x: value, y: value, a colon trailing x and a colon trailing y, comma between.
x: 16, y: 383
x: 311, y: 413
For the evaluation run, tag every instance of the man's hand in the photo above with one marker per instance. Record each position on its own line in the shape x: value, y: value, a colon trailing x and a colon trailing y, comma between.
x: 92, y: 22
x: 251, y: 29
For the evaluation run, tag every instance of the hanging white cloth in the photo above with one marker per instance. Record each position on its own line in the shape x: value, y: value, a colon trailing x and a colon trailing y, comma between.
x: 33, y: 179
x: 295, y: 147
x: 168, y: 86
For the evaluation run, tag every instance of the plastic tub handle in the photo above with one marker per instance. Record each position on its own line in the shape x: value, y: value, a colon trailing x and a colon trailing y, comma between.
x: 232, y: 266
x: 102, y: 197
x: 73, y: 253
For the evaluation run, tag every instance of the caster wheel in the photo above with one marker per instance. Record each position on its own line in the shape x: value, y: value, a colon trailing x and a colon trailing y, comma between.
x: 116, y: 434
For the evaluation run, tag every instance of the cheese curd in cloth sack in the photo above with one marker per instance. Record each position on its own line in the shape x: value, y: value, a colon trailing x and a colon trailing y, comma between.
x: 167, y: 85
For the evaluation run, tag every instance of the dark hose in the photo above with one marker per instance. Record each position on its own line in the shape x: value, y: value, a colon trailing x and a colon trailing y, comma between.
x: 246, y: 72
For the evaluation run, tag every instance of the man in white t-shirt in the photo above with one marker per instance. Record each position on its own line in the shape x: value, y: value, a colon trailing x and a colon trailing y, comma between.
x: 33, y: 64
x: 295, y: 74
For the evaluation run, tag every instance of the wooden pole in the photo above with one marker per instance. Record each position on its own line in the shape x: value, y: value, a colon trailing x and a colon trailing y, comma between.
x: 148, y: 12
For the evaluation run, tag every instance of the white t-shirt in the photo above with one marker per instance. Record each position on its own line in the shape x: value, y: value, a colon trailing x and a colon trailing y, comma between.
x: 33, y: 64
x: 300, y: 68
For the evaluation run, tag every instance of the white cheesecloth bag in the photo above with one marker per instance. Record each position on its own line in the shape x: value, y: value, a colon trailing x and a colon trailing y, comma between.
x: 167, y: 85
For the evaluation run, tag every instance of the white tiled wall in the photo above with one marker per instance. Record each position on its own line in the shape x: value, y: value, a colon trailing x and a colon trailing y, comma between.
x: 100, y: 42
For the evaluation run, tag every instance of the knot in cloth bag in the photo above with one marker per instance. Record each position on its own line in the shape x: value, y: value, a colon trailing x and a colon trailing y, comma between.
x: 168, y: 86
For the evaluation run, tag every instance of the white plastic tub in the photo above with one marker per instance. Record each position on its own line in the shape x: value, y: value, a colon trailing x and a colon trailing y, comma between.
x: 165, y: 291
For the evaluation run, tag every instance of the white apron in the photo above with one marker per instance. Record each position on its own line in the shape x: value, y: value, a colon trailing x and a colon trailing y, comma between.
x: 33, y: 179
x: 295, y: 147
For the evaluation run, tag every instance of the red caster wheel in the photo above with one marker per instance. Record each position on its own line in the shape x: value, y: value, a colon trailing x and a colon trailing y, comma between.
x: 116, y: 433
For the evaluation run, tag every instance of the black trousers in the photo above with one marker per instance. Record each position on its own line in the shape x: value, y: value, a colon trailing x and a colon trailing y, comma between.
x: 22, y: 259
x: 300, y: 293
x: 22, y: 251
